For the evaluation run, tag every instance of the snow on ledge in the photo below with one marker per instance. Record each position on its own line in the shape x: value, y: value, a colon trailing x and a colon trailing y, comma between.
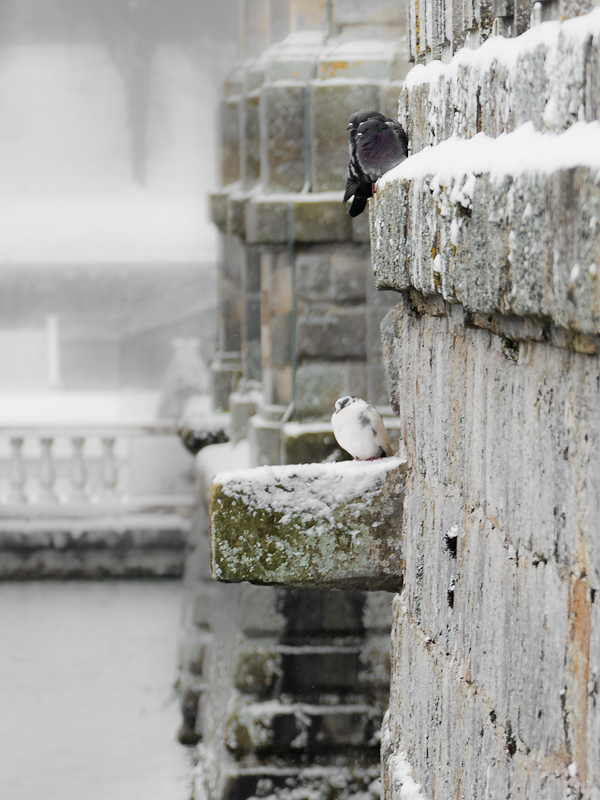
x: 317, y: 488
x: 522, y: 151
x: 507, y: 51
x: 397, y: 766
x: 401, y: 774
x: 328, y: 526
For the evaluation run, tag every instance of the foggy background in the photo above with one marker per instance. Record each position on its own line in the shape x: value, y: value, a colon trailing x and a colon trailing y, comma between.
x: 107, y: 153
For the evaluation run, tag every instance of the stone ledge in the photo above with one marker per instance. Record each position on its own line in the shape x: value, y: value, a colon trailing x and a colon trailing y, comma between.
x: 263, y: 218
x: 505, y: 239
x: 277, y: 727
x: 550, y: 76
x: 316, y: 218
x: 329, y: 526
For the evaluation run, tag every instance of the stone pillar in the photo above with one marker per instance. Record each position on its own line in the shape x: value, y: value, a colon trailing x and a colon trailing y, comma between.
x: 276, y: 322
x: 299, y: 96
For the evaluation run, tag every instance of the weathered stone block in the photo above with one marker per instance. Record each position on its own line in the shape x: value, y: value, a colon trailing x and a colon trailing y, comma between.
x: 280, y: 336
x: 225, y: 375
x: 274, y: 727
x: 314, y: 218
x: 242, y: 407
x: 514, y: 246
x: 266, y: 221
x: 283, y: 110
x: 236, y: 214
x: 332, y: 103
x: 332, y: 332
x: 260, y: 612
x: 329, y: 525
x: 320, y: 383
x: 218, y: 209
x: 251, y: 140
x: 309, y: 443
x: 339, y: 273
x: 350, y: 273
x: 230, y: 139
x: 313, y: 274
x: 265, y: 440
x: 317, y: 219
x: 320, y: 613
x: 325, y: 669
x: 256, y: 667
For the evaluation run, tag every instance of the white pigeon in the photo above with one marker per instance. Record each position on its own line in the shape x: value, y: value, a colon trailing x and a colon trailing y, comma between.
x: 359, y: 429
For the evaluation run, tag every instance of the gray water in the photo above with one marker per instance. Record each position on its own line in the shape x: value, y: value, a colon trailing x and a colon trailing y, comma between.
x: 87, y: 705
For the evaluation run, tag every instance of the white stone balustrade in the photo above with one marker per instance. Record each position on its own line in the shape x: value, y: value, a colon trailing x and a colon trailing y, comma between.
x: 78, y: 466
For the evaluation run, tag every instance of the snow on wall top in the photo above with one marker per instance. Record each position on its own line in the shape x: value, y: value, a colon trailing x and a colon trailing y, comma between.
x: 507, y: 52
x: 546, y: 76
x: 525, y: 150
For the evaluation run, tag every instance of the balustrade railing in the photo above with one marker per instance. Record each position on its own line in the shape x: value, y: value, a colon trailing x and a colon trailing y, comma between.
x: 63, y: 465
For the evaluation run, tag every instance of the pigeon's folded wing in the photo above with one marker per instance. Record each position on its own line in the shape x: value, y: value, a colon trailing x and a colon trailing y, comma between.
x: 400, y: 135
x: 381, y: 435
x: 351, y: 187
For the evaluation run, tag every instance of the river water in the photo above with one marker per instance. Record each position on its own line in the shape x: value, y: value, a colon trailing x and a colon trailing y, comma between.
x: 88, y: 709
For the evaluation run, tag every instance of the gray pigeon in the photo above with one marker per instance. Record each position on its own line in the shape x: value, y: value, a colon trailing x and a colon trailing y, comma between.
x: 377, y: 144
x: 359, y: 429
x: 356, y: 185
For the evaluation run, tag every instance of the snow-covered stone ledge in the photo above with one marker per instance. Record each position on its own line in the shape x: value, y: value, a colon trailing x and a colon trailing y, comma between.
x: 507, y: 225
x: 550, y: 76
x: 335, y: 526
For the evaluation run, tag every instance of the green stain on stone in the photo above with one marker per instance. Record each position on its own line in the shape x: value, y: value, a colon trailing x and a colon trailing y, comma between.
x: 358, y: 545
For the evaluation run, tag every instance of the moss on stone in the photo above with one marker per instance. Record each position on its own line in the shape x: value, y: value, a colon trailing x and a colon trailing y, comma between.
x: 357, y: 546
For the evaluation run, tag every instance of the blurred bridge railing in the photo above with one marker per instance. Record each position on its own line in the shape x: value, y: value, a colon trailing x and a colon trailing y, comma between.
x: 88, y: 465
x: 93, y: 500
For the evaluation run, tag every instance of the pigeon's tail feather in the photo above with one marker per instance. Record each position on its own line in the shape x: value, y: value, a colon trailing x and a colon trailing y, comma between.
x: 351, y: 187
x: 358, y: 205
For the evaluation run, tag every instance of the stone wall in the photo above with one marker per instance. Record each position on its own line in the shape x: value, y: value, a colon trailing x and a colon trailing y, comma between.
x: 490, y: 236
x: 284, y: 689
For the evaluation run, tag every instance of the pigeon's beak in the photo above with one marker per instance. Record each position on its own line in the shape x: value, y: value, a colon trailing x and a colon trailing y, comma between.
x: 349, y: 126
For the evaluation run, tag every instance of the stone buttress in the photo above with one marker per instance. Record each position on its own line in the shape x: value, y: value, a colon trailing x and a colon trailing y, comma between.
x: 284, y: 688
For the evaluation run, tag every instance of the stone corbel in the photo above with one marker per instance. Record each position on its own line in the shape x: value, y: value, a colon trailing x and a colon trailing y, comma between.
x: 328, y: 526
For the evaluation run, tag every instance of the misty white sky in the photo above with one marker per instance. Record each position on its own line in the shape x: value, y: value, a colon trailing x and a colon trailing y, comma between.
x: 107, y: 155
